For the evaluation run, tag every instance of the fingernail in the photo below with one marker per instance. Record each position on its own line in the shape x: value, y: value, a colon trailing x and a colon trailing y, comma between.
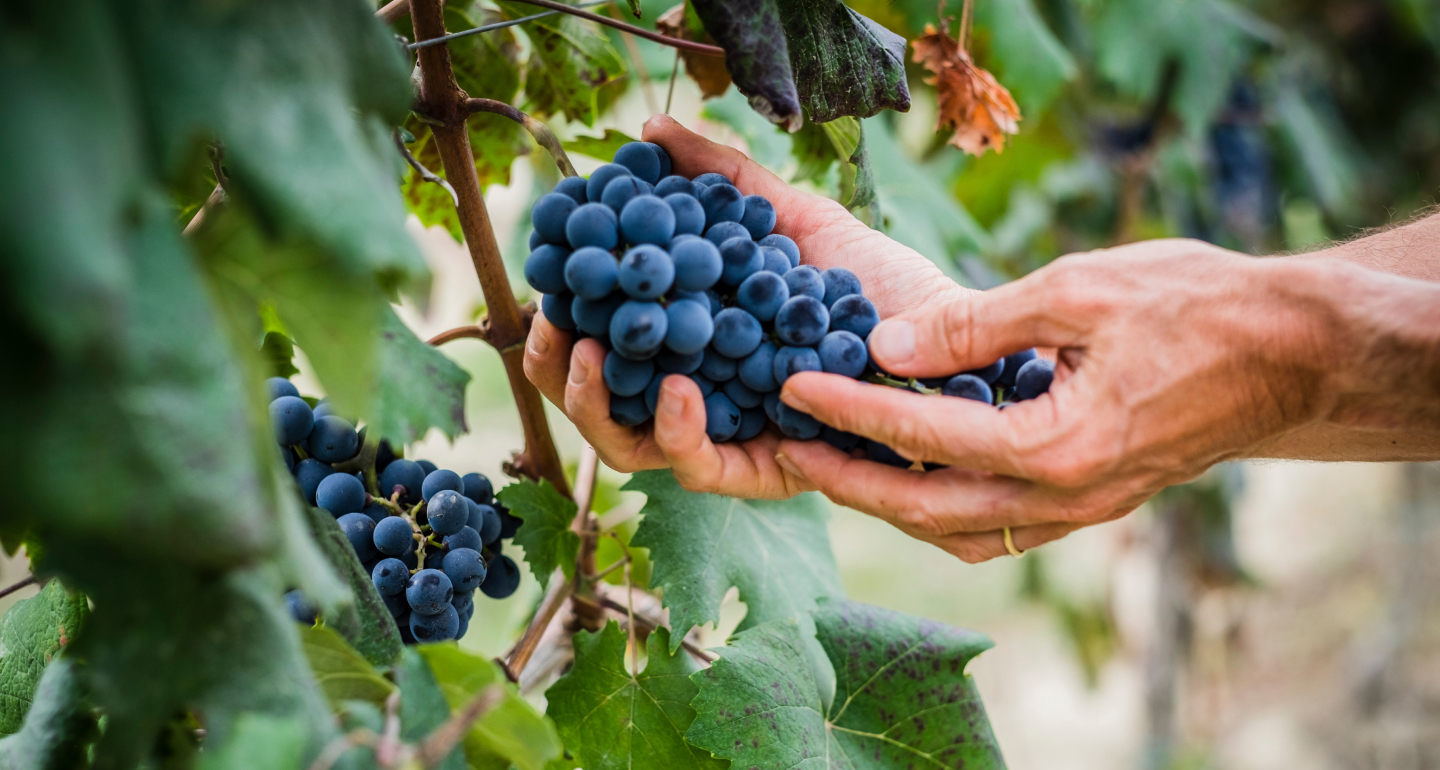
x: 539, y: 344
x: 790, y: 467
x: 894, y: 341
x: 579, y: 373
x: 790, y: 396
x: 670, y: 400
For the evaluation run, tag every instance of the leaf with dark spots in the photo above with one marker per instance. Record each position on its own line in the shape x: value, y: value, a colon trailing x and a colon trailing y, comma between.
x: 569, y: 62
x: 757, y: 58
x: 902, y: 698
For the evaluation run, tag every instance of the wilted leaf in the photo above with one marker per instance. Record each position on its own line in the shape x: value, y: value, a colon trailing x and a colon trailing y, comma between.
x: 614, y: 720
x: 708, y: 72
x: 545, y: 535
x: 776, y: 552
x: 33, y: 631
x: 971, y: 102
x: 902, y: 697
x: 510, y: 733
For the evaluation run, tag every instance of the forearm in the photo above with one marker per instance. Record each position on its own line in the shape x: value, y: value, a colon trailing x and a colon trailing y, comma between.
x: 1411, y: 250
x: 1381, y: 340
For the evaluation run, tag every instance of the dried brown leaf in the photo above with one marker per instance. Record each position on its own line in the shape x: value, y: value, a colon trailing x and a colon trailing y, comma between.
x: 707, y: 71
x: 972, y: 102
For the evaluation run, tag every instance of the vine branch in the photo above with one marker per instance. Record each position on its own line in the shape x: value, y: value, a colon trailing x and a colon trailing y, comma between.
x: 539, y: 131
x: 425, y: 173
x: 497, y: 25
x: 560, y: 590
x: 441, y: 98
x: 29, y: 581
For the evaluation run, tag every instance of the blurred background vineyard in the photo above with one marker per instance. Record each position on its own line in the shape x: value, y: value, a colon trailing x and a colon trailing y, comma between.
x: 1271, y: 615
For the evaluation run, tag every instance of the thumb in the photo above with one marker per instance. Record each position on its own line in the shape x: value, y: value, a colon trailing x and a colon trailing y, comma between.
x: 974, y: 330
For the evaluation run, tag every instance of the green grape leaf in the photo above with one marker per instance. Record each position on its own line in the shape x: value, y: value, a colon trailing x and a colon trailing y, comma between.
x: 613, y: 720
x: 511, y: 733
x: 829, y: 62
x: 418, y: 387
x: 364, y: 622
x: 777, y: 553
x: 902, y: 697
x: 568, y: 66
x: 258, y: 740
x: 59, y: 726
x: 32, y: 632
x: 278, y: 351
x: 423, y: 707
x: 1030, y: 61
x: 545, y: 535
x: 599, y: 147
x: 343, y: 673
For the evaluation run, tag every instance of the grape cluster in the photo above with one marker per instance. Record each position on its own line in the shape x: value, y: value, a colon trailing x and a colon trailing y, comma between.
x: 678, y: 276
x: 429, y: 537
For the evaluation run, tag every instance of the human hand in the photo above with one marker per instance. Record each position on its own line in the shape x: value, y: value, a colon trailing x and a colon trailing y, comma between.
x: 896, y: 279
x: 1172, y: 356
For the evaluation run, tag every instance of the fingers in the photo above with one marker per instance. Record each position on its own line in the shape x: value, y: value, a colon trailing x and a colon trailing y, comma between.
x: 547, y: 359
x: 984, y: 546
x: 587, y: 402
x: 974, y: 330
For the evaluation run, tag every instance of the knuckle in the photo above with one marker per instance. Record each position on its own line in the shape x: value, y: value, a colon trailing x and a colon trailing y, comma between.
x: 957, y: 329
x: 970, y: 552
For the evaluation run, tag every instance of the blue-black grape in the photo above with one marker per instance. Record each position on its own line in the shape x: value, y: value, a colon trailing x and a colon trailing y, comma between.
x: 716, y: 367
x: 724, y: 231
x: 671, y: 185
x: 839, y: 439
x: 390, y: 577
x: 670, y: 362
x: 447, y: 512
x: 785, y: 244
x: 429, y: 591
x: 427, y: 466
x: 805, y: 280
x: 340, y: 493
x: 625, y: 377
x: 477, y: 487
x: 1013, y: 362
x: 501, y: 578
x: 595, y: 186
x: 697, y: 264
x: 737, y: 334
x: 545, y: 268
x: 854, y: 313
x: 752, y: 421
x: 774, y: 260
x: 792, y: 360
x: 640, y: 159
x: 797, y: 424
x: 591, y: 273
x: 968, y: 386
x: 722, y: 417
x: 741, y: 396
x: 375, y: 511
x: 359, y: 529
x: 759, y: 216
x: 464, y: 603
x: 549, y: 215
x: 741, y: 259
x: 439, y: 627
x: 843, y: 352
x: 689, y: 214
x: 713, y: 178
x: 275, y: 387
x: 573, y: 186
x: 637, y: 330
x: 288, y: 456
x: 652, y: 391
x: 802, y: 321
x: 509, y: 523
x: 465, y: 568
x: 535, y: 240
x: 467, y: 537
x: 1034, y: 378
x: 308, y: 474
x: 622, y: 190
x: 990, y: 374
x: 593, y: 224
x: 880, y: 453
x: 762, y: 294
x: 301, y: 609
x: 592, y: 316
x: 646, y: 272
x: 332, y: 440
x: 325, y: 409
x: 757, y: 369
x: 722, y: 203
x: 647, y: 219
x: 628, y: 410
x: 665, y: 164
x: 689, y: 327
x: 772, y: 405
x: 291, y: 419
x: 556, y: 308
x: 439, y: 480
x: 489, y: 523
x: 400, y: 609
x: 839, y: 282
x: 393, y: 536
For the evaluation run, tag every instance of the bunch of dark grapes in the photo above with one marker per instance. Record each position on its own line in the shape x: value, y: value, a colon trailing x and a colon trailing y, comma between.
x: 678, y: 276
x: 429, y: 537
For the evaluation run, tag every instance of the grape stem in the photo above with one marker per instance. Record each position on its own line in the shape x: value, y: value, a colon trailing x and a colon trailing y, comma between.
x: 441, y: 99
x: 540, y: 132
x: 16, y: 587
x: 425, y: 173
x: 695, y: 652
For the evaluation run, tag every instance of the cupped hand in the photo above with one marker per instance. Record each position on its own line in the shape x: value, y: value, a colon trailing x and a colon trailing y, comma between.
x: 568, y: 372
x: 1172, y: 356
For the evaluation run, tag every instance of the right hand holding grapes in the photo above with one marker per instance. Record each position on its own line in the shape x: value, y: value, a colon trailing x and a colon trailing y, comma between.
x: 568, y: 372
